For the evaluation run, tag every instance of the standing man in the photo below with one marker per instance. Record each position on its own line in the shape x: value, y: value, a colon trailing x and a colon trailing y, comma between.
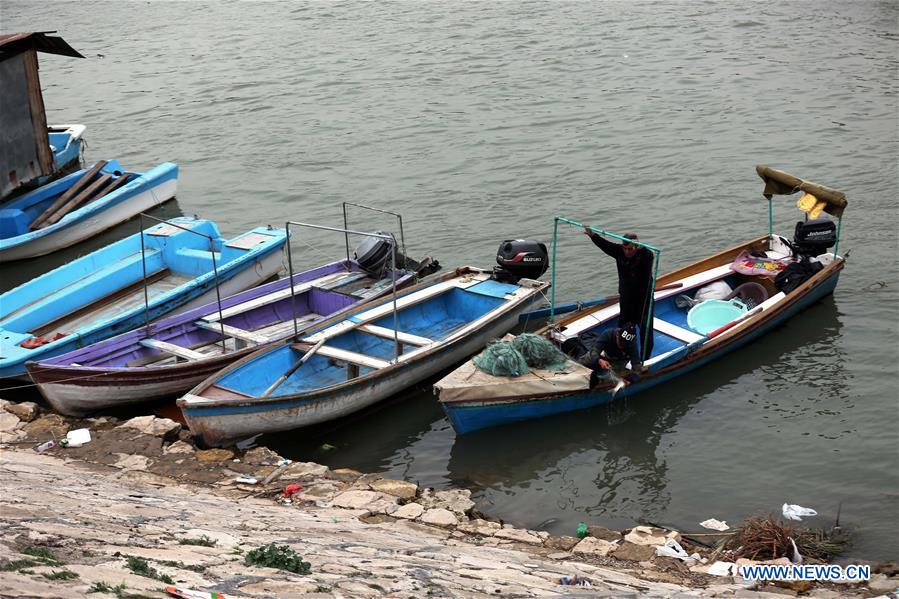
x: 634, y: 264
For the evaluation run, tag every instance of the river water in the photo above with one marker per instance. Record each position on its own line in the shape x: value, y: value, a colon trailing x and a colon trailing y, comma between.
x: 480, y: 122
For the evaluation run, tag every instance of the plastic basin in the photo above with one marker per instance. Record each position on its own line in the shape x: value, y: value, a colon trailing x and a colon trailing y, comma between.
x: 711, y: 315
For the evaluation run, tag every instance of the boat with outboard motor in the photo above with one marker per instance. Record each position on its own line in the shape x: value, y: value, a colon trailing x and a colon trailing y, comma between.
x: 806, y: 271
x: 367, y: 355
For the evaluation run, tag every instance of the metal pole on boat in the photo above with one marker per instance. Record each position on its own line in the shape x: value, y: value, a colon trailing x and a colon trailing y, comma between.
x: 770, y: 224
x: 398, y: 216
x: 218, y: 294
x: 836, y: 246
x: 396, y: 333
x: 293, y: 299
x: 346, y: 236
x: 143, y: 263
x: 389, y: 238
x: 552, y: 287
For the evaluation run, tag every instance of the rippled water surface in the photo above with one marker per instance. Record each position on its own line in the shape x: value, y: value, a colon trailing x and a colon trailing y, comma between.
x: 480, y: 122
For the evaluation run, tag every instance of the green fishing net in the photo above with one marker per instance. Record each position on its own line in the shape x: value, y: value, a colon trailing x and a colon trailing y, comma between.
x: 500, y: 358
x: 539, y: 352
x: 504, y: 358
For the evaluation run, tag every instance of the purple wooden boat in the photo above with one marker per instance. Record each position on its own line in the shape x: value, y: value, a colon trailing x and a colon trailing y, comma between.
x: 181, y: 351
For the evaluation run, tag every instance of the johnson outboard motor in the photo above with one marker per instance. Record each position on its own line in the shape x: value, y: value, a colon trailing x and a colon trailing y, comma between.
x: 373, y: 254
x: 814, y: 237
x: 520, y: 259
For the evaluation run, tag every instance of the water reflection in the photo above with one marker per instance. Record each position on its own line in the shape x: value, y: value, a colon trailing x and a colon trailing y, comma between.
x: 608, y: 464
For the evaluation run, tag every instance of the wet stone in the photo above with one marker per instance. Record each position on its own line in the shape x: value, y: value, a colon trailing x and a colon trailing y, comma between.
x: 25, y: 411
x: 635, y: 553
x: 563, y: 543
x: 214, y: 455
x: 439, y: 517
x: 397, y: 488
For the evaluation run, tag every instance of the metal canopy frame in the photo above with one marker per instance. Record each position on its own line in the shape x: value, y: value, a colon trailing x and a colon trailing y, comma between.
x: 143, y: 260
x: 346, y: 225
x: 657, y: 255
x: 347, y: 232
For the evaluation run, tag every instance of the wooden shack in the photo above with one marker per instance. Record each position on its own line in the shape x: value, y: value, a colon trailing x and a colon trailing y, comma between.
x: 25, y: 153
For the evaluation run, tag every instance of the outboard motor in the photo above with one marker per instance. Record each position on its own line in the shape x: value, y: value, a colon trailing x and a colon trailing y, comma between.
x: 373, y: 254
x: 814, y: 237
x: 520, y: 259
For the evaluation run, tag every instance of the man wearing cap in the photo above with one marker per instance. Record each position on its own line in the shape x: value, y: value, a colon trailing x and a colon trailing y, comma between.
x: 611, y: 351
x: 634, y: 264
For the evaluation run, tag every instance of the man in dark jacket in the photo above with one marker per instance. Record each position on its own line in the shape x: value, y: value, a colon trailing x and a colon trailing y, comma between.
x: 610, y: 353
x: 634, y: 264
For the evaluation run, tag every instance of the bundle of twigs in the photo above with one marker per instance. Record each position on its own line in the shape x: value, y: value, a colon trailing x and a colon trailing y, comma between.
x: 765, y: 538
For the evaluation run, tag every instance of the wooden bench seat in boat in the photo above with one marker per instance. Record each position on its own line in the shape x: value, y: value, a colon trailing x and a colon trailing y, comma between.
x: 386, y: 333
x: 672, y: 330
x: 170, y: 348
x: 345, y: 356
x: 236, y: 333
x: 273, y: 297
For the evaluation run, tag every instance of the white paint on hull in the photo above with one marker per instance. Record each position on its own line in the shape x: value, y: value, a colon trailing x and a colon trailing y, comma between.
x: 102, y: 220
x: 74, y: 400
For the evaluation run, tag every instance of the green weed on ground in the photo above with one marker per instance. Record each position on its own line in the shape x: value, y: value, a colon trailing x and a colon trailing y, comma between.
x: 280, y: 557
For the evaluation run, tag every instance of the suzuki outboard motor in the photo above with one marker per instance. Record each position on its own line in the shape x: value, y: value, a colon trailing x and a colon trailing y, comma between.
x: 373, y: 254
x: 520, y: 259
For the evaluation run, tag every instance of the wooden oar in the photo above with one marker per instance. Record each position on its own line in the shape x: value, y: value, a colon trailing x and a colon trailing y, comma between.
x: 571, y: 307
x: 69, y: 194
x: 293, y: 368
x: 91, y: 189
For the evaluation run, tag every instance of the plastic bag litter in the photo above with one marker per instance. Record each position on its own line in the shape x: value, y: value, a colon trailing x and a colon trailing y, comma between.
x: 723, y: 569
x: 791, y: 511
x: 713, y: 524
x: 672, y: 548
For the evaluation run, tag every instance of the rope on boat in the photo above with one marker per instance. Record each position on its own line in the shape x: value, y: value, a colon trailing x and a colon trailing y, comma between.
x: 74, y: 378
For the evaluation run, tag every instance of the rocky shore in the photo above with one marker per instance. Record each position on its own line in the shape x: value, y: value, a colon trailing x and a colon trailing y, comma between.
x: 140, y: 508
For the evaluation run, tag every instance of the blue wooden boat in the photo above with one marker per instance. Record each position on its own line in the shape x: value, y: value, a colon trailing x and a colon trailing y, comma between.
x: 79, y: 206
x: 179, y: 352
x: 476, y: 400
x: 103, y: 293
x: 375, y: 352
x: 65, y: 144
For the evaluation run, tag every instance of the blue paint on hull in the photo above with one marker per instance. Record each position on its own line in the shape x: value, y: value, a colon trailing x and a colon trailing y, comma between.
x: 90, y: 278
x: 470, y: 417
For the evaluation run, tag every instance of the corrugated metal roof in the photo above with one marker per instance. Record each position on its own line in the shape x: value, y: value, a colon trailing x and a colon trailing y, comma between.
x: 35, y: 40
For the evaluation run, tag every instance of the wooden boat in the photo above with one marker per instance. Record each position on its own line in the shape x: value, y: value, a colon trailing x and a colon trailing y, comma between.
x: 168, y: 267
x: 476, y: 400
x: 79, y: 206
x: 65, y: 144
x: 181, y: 351
x: 350, y: 363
